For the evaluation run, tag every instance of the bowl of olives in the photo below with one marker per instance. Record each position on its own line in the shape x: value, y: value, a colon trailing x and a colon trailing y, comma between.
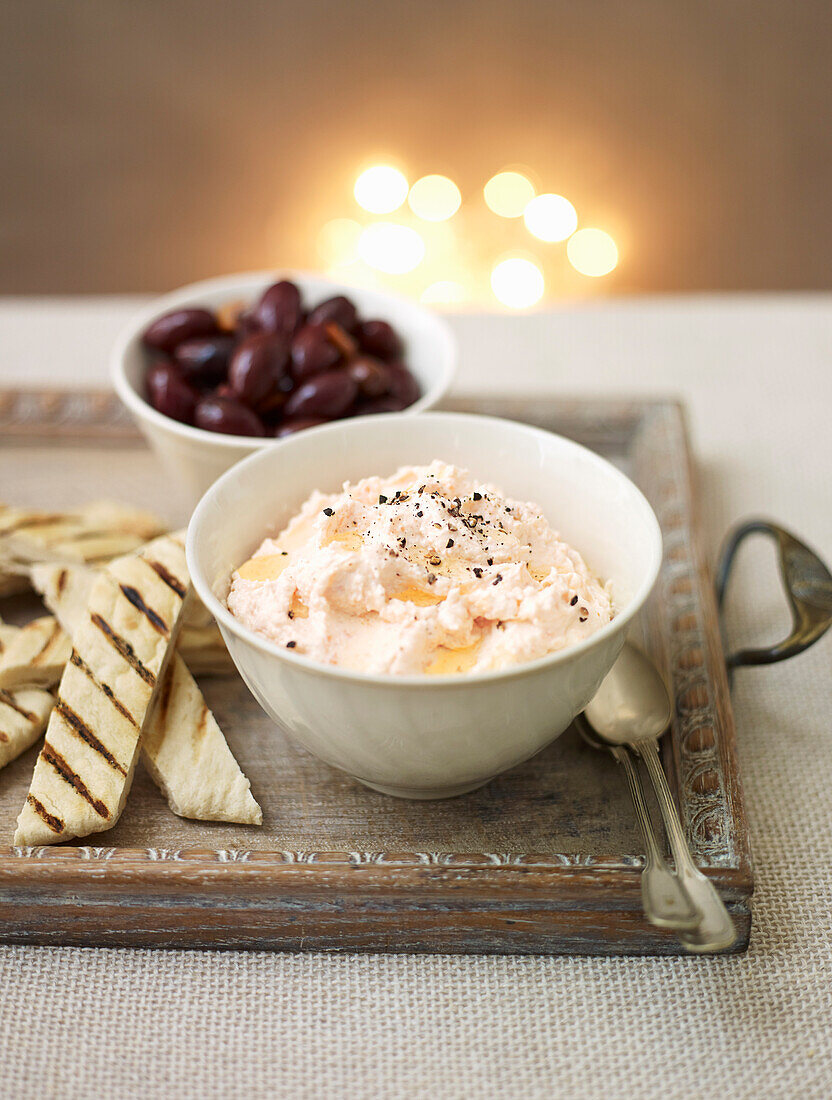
x: 225, y: 367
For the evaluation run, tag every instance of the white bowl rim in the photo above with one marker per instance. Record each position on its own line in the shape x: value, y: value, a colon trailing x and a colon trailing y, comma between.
x: 422, y: 681
x: 183, y: 296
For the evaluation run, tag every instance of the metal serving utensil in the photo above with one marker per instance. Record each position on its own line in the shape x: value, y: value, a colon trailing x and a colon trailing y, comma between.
x: 632, y: 707
x: 665, y: 900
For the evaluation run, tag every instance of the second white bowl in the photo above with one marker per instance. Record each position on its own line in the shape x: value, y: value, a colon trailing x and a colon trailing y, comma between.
x: 196, y: 458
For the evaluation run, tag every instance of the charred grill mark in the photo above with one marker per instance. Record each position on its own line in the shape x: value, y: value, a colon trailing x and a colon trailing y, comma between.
x: 9, y: 700
x: 202, y: 724
x: 164, y: 696
x: 54, y: 823
x: 155, y: 620
x: 168, y: 577
x: 61, y: 582
x: 51, y: 756
x: 79, y: 662
x: 85, y: 733
x: 4, y: 737
x: 44, y: 649
x: 124, y: 648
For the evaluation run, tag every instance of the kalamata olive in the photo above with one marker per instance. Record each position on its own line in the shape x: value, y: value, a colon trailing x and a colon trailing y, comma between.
x: 312, y: 352
x: 279, y: 309
x: 297, y: 424
x: 170, y: 394
x: 224, y: 414
x: 180, y: 324
x: 379, y: 338
x: 257, y: 365
x: 328, y: 395
x: 340, y: 310
x: 386, y: 404
x: 370, y: 375
x: 203, y: 360
x: 403, y: 386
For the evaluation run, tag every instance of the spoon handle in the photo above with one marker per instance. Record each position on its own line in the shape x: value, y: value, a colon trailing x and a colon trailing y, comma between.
x: 716, y: 930
x: 666, y: 902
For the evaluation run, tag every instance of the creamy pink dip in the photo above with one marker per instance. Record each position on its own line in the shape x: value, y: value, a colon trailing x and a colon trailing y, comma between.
x: 427, y: 571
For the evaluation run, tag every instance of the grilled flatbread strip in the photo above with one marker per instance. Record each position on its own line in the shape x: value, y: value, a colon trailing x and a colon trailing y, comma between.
x: 119, y: 658
x: 65, y: 590
x: 96, y: 532
x: 186, y: 754
x: 184, y: 749
x: 35, y: 656
x: 23, y: 718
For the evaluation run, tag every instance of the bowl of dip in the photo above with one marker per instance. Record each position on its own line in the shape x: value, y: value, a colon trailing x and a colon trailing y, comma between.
x: 426, y: 627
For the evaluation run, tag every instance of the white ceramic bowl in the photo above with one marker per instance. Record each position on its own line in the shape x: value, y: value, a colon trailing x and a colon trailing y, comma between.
x: 196, y: 458
x: 427, y: 736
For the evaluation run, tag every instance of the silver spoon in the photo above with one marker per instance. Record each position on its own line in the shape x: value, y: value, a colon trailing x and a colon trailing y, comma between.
x: 665, y: 900
x: 632, y: 707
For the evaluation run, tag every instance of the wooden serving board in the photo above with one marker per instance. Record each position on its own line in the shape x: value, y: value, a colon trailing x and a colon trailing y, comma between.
x: 545, y: 859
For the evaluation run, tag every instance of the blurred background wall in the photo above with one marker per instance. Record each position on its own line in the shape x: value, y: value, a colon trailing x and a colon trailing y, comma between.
x: 151, y: 142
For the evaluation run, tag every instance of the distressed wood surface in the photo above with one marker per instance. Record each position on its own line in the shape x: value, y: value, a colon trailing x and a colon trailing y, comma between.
x: 545, y: 859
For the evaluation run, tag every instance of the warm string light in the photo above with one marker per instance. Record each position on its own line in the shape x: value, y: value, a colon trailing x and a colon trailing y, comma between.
x: 550, y: 218
x: 592, y: 252
x: 393, y: 248
x: 517, y: 283
x: 434, y: 198
x: 381, y: 189
x: 508, y: 194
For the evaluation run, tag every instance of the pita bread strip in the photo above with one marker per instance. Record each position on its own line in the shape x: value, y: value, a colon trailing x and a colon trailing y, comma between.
x: 23, y: 718
x: 183, y: 749
x: 187, y: 756
x: 120, y: 654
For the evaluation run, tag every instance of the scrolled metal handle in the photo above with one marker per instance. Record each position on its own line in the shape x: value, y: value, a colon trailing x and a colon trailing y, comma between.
x: 807, y: 583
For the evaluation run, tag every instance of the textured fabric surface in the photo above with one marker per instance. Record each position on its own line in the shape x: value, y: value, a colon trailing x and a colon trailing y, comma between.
x: 757, y: 378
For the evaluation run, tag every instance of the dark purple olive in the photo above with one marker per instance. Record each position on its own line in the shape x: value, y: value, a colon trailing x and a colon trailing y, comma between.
x: 340, y: 310
x: 203, y: 360
x: 279, y: 309
x: 224, y: 414
x: 170, y: 394
x: 370, y: 375
x: 326, y: 395
x: 403, y: 386
x: 379, y: 338
x: 379, y: 405
x: 172, y: 328
x: 257, y: 366
x: 312, y: 352
x: 297, y: 424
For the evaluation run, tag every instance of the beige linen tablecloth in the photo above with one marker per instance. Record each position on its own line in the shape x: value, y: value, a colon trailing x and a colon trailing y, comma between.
x: 757, y: 375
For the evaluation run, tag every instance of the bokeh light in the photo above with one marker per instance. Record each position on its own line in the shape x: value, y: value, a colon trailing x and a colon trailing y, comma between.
x: 434, y: 198
x: 381, y: 189
x: 444, y: 292
x: 592, y: 252
x: 338, y: 242
x: 517, y: 283
x: 508, y: 194
x: 395, y: 249
x: 550, y: 217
